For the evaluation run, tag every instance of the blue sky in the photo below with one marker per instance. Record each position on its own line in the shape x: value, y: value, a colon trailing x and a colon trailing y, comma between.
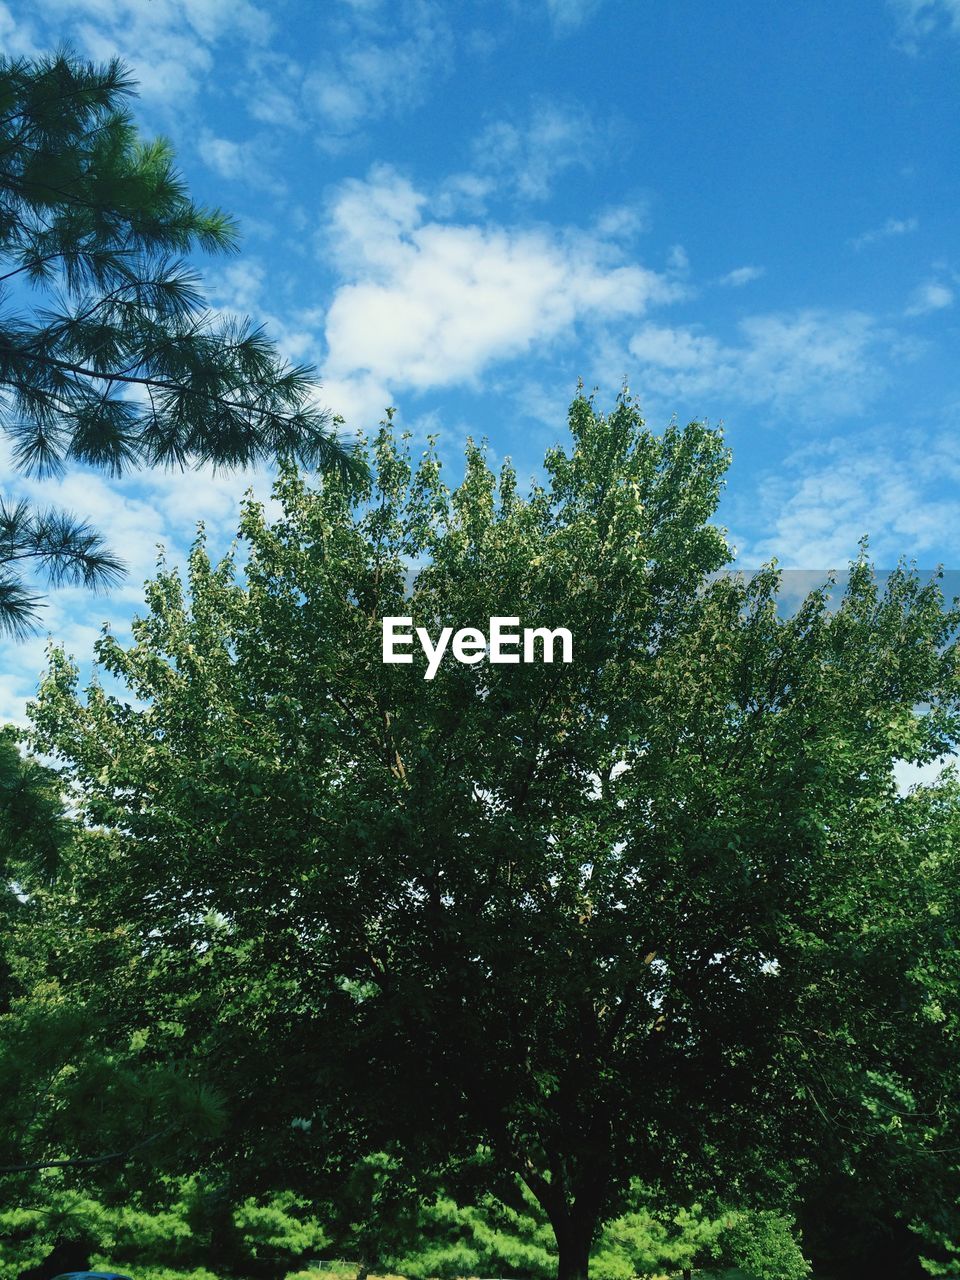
x: 746, y: 210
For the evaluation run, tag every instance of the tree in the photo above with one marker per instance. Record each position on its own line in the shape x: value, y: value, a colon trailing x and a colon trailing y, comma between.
x: 165, y: 1230
x: 121, y: 365
x: 78, y: 1105
x: 33, y: 824
x: 493, y: 1237
x: 657, y: 913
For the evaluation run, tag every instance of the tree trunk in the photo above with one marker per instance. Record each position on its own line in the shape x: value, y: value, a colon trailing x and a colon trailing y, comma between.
x: 574, y: 1238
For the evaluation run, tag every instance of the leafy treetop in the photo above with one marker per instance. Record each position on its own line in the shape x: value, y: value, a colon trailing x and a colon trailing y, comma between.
x: 660, y: 913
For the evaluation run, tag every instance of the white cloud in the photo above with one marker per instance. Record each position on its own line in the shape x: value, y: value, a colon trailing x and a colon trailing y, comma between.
x: 622, y: 221
x: 525, y: 157
x: 919, y: 19
x: 430, y: 303
x: 888, y: 230
x: 804, y: 362
x: 136, y: 515
x: 275, y: 97
x: 247, y: 162
x: 223, y: 156
x: 238, y: 287
x: 931, y: 296
x: 384, y: 58
x: 359, y: 398
x: 679, y: 349
x: 740, y: 276
x: 898, y: 488
x: 168, y: 42
x: 375, y: 59
x: 566, y: 15
x: 16, y: 38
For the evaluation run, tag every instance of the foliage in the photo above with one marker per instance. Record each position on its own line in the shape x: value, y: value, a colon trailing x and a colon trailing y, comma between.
x: 280, y: 1223
x: 763, y: 1245
x: 33, y: 832
x: 642, y: 1243
x: 659, y: 913
x: 168, y: 1232
x: 78, y: 1099
x: 372, y: 1212
x: 117, y: 363
x: 449, y: 1240
x: 939, y: 1231
x: 489, y: 1238
x: 27, y: 1235
x: 33, y: 827
x: 104, y: 1263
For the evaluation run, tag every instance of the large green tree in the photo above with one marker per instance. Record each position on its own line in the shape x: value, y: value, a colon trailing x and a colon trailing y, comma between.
x: 108, y: 355
x: 659, y: 912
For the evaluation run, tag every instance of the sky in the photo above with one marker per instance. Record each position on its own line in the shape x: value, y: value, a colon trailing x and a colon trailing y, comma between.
x: 745, y: 211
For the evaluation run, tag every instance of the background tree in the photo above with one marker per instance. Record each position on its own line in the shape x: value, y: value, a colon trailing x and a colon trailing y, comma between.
x: 660, y: 913
x: 79, y: 1100
x: 484, y: 1234
x: 108, y: 356
x: 161, y: 1232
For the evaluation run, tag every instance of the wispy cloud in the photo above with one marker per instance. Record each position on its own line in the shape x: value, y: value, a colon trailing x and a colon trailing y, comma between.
x: 372, y: 58
x: 808, y: 362
x: 525, y: 156
x: 247, y: 162
x: 890, y: 229
x: 17, y: 37
x: 917, y: 20
x: 897, y: 488
x: 385, y: 57
x: 740, y: 276
x: 137, y: 515
x: 567, y: 15
x: 528, y: 156
x: 169, y: 42
x: 933, y: 295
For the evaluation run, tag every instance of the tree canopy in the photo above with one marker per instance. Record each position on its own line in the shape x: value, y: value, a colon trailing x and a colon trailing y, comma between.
x: 660, y: 913
x: 109, y: 356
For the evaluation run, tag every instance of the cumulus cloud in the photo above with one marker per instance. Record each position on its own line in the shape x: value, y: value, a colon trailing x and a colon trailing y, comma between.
x: 431, y: 303
x: 805, y: 362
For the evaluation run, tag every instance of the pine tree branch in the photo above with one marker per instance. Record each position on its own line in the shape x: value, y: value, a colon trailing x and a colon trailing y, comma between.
x: 87, y: 1162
